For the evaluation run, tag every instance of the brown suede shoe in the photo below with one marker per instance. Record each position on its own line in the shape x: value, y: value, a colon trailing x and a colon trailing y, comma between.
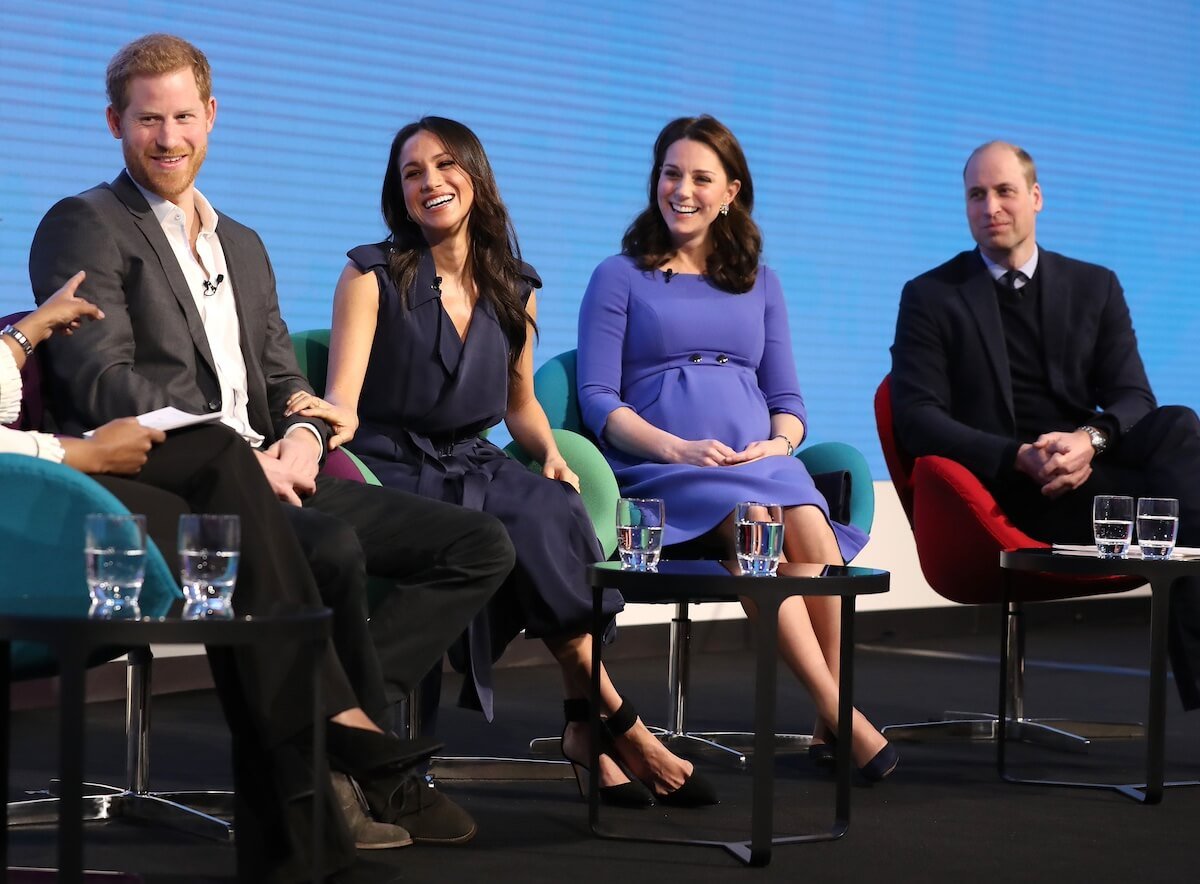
x: 367, y: 833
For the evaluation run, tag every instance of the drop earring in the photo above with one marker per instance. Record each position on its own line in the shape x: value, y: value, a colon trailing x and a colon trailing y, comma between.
x: 724, y: 210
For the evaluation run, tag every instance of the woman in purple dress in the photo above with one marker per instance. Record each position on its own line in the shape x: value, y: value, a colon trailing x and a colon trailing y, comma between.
x: 686, y: 376
x: 432, y: 343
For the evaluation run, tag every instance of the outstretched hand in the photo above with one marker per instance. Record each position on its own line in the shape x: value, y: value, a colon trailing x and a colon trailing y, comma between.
x: 63, y: 312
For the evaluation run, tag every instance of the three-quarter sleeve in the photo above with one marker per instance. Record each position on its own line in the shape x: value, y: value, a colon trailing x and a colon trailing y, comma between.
x: 777, y: 370
x: 602, y: 320
x: 41, y: 445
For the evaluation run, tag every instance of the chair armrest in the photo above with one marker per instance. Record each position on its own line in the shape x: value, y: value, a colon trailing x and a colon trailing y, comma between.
x: 597, y: 484
x: 41, y: 542
x: 829, y: 457
x: 960, y: 531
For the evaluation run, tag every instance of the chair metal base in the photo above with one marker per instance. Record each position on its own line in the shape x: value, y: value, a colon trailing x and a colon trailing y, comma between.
x: 206, y: 814
x: 1062, y: 734
x: 732, y: 747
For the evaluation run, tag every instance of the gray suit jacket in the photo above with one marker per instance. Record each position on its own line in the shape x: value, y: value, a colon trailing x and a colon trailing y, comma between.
x: 951, y: 381
x: 151, y: 349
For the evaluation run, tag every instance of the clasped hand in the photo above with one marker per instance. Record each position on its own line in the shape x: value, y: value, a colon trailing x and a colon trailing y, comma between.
x: 715, y: 453
x: 290, y: 465
x: 1058, y: 462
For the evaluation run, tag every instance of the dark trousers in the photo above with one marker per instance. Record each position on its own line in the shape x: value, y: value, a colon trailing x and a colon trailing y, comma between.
x: 1157, y: 457
x: 444, y: 562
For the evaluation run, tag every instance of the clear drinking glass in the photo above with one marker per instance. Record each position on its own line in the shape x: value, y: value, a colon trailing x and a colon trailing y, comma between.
x: 114, y: 548
x: 759, y: 529
x: 209, y: 548
x: 639, y: 532
x: 1157, y: 525
x: 1112, y: 524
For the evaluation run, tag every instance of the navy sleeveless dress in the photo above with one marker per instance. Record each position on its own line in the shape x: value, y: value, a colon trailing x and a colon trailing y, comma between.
x: 426, y: 396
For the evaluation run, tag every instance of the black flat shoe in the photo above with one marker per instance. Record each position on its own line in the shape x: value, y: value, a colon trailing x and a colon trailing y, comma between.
x: 881, y: 765
x: 696, y: 791
x: 630, y: 794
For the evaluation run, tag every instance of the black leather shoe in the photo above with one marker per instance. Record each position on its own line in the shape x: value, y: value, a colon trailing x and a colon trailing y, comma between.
x: 823, y: 754
x: 882, y: 764
x: 630, y: 794
x: 696, y: 791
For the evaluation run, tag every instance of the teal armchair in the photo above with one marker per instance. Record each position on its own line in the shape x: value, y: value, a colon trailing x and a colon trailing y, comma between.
x: 555, y: 386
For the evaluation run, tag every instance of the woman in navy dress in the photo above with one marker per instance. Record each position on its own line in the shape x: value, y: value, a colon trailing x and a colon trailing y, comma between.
x: 686, y: 376
x: 431, y: 344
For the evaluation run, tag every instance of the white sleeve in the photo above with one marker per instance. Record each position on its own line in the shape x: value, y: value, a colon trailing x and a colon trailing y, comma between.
x: 41, y: 445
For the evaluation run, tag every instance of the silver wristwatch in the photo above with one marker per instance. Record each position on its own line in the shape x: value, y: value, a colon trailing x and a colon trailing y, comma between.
x: 1099, y: 439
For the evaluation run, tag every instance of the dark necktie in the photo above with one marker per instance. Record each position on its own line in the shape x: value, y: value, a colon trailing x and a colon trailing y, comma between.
x: 1010, y: 279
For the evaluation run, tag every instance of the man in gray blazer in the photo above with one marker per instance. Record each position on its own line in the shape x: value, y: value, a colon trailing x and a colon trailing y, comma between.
x: 193, y: 321
x: 1022, y: 365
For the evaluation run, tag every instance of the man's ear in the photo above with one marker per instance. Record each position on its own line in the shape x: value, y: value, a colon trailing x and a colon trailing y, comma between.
x: 114, y: 121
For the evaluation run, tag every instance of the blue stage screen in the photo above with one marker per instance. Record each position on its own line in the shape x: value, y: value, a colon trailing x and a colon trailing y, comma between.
x: 856, y: 118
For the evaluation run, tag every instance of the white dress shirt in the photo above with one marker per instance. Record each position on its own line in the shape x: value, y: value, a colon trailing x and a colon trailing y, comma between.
x: 212, y: 291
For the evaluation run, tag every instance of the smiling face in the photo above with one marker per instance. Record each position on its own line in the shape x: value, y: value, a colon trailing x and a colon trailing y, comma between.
x: 1002, y: 205
x: 692, y: 187
x: 164, y: 131
x: 438, y: 193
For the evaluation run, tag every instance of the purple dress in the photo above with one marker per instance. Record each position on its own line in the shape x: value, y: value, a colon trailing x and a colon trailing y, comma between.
x: 703, y: 364
x: 426, y: 396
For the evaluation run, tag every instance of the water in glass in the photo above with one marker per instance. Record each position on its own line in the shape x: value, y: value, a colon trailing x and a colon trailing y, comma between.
x: 1157, y: 524
x: 1112, y: 537
x: 639, y: 532
x: 209, y: 548
x: 114, y: 552
x: 115, y: 576
x: 1112, y: 525
x: 759, y: 537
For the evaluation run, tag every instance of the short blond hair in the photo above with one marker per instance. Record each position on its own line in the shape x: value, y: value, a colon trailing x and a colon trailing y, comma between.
x: 152, y: 56
x: 1022, y: 155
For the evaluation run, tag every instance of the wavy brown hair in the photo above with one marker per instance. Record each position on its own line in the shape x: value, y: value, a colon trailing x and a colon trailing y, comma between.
x: 151, y: 56
x: 737, y: 242
x: 494, y: 260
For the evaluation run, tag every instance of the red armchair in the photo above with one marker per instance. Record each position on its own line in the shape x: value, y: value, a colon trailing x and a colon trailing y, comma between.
x: 942, y: 500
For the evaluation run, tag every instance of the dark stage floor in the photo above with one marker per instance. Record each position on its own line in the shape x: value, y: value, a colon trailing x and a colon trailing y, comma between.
x: 944, y: 815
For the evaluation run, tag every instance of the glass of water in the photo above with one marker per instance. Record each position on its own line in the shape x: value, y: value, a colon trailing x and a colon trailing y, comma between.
x: 759, y: 529
x: 639, y: 532
x: 114, y: 548
x: 1157, y: 525
x: 209, y: 547
x: 1112, y: 524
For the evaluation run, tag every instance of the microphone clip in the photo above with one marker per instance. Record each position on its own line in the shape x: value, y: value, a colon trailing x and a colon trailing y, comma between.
x: 667, y: 275
x: 211, y: 286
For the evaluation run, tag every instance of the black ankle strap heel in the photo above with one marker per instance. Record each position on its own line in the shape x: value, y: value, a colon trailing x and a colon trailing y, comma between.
x: 630, y: 794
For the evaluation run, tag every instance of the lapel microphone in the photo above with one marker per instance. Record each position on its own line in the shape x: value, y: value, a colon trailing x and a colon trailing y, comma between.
x: 210, y: 288
x: 667, y: 275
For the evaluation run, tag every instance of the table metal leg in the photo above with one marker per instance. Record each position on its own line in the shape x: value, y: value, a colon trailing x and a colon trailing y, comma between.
x: 763, y: 796
x: 1160, y: 604
x: 5, y: 725
x: 72, y: 677
x: 320, y: 761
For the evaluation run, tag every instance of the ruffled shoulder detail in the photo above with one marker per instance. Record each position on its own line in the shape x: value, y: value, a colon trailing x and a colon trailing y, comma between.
x: 367, y: 257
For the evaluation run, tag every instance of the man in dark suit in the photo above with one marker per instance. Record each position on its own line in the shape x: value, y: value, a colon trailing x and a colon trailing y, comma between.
x: 1022, y: 365
x: 195, y: 324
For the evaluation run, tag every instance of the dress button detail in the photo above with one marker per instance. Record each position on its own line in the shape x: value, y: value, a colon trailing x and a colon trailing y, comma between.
x: 214, y: 404
x: 696, y: 357
x: 722, y: 358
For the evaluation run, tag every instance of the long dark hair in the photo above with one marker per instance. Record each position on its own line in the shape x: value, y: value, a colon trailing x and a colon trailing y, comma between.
x: 494, y: 260
x: 737, y: 242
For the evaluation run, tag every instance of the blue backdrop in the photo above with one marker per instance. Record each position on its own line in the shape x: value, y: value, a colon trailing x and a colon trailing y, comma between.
x: 856, y: 118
